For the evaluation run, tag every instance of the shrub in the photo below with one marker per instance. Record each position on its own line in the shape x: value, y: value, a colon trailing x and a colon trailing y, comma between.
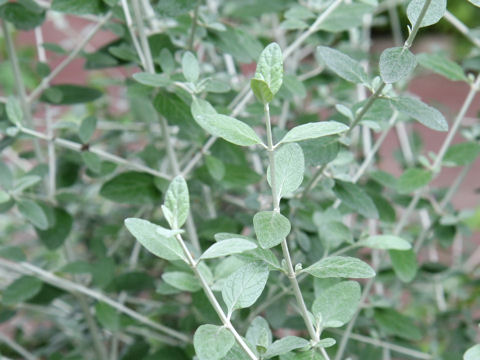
x: 233, y: 212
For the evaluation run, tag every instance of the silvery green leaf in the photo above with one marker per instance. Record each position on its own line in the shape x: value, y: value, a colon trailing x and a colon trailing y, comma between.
x: 149, y: 235
x: 473, y: 353
x: 226, y: 127
x: 340, y: 266
x: 21, y: 289
x: 434, y: 13
x: 271, y: 228
x: 404, y: 264
x: 202, y: 107
x: 326, y: 343
x: 33, y: 213
x: 313, y: 131
x: 461, y: 154
x: 261, y: 90
x: 289, y: 169
x: 166, y: 61
x: 270, y: 68
x: 87, y: 128
x: 396, y: 64
x: 14, y: 111
x: 182, y: 281
x: 92, y: 161
x: 259, y: 334
x: 244, y: 286
x: 26, y: 182
x: 355, y: 198
x: 342, y: 65
x: 388, y: 242
x: 284, y: 345
x: 212, y: 342
x: 413, y: 179
x: 344, y: 110
x: 440, y: 64
x: 336, y: 305
x: 4, y: 197
x: 228, y: 247
x: 476, y: 3
x: 190, y: 67
x: 424, y: 114
x: 177, y: 201
x: 154, y: 80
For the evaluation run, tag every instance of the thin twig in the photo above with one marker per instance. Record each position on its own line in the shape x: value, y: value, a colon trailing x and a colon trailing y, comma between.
x: 93, y: 149
x: 83, y: 42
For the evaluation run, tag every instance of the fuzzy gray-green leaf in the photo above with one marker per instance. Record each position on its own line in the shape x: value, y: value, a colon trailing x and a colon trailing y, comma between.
x: 337, y: 304
x: 396, y: 64
x: 271, y: 228
x: 314, y: 130
x: 424, y: 114
x: 242, y: 288
x: 285, y: 345
x: 289, y: 169
x: 212, y: 342
x: 340, y: 266
x: 159, y: 241
x: 434, y: 13
x: 388, y: 242
x: 343, y: 65
x: 228, y: 247
x: 177, y: 201
x: 270, y: 67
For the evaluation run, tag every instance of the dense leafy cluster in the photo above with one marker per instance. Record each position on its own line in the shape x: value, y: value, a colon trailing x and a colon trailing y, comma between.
x: 231, y: 214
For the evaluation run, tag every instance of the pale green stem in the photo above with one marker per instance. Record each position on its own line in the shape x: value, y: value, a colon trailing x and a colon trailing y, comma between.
x: 191, y: 229
x: 191, y: 38
x: 93, y: 149
x: 20, y: 85
x: 95, y: 333
x: 366, y: 107
x: 83, y: 42
x: 73, y: 287
x: 417, y: 24
x: 462, y: 28
x: 286, y: 253
x: 213, y: 300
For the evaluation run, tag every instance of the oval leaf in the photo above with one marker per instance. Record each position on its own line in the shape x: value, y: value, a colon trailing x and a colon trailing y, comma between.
x: 289, y: 169
x: 314, y: 130
x: 413, y: 179
x: 434, y: 13
x: 343, y: 65
x: 404, y: 264
x: 270, y: 68
x: 242, y: 288
x: 271, y: 228
x: 337, y: 304
x: 388, y: 242
x: 33, y: 213
x: 223, y: 126
x: 159, y: 241
x: 284, y: 345
x: 212, y: 342
x: 228, y: 247
x: 177, y: 201
x: 424, y: 114
x: 341, y: 266
x: 396, y: 64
